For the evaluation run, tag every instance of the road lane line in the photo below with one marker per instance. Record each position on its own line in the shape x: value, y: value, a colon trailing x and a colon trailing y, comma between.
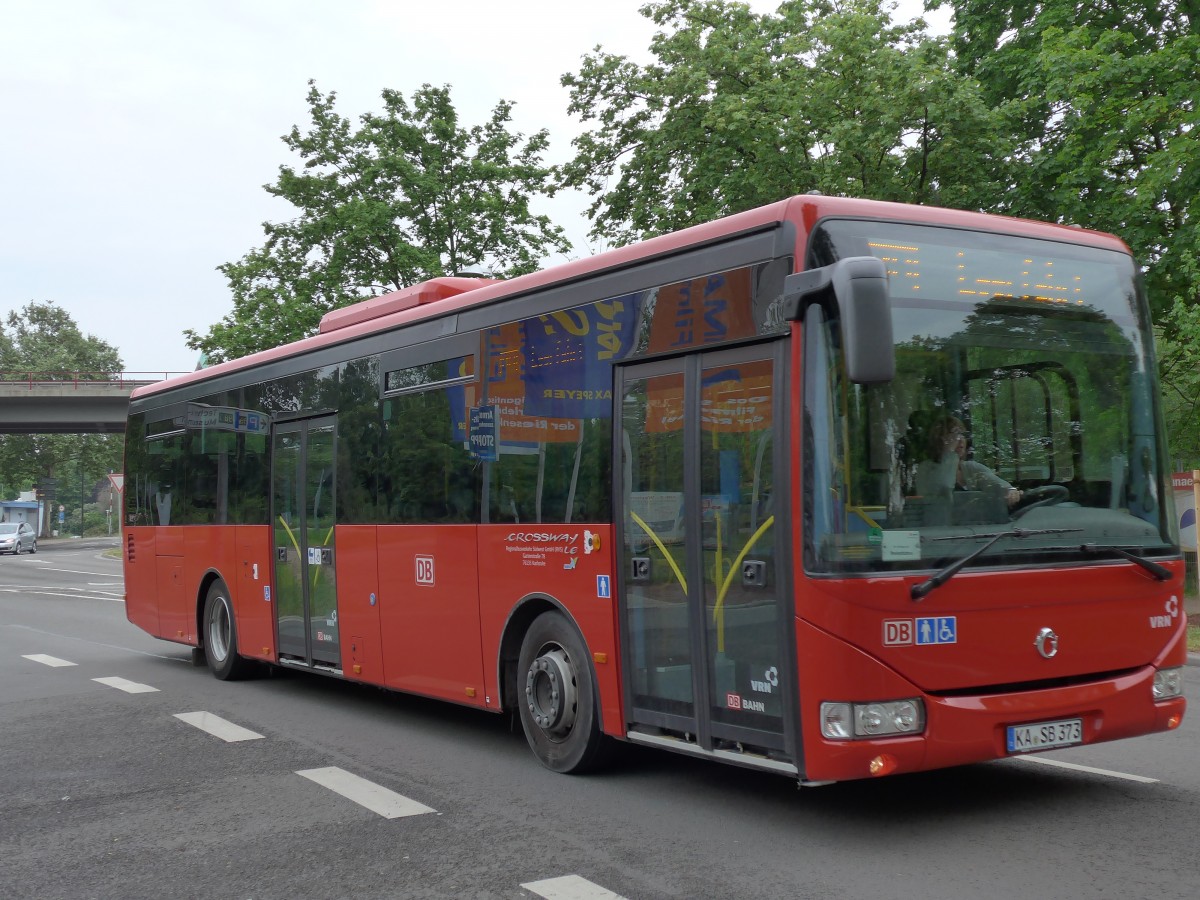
x: 82, y: 595
x: 1058, y: 763
x: 218, y: 727
x: 124, y: 684
x: 186, y: 660
x: 80, y: 572
x: 374, y: 797
x: 570, y: 887
x: 48, y: 660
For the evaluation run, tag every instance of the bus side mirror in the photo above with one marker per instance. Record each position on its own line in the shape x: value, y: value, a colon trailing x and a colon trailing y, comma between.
x: 857, y: 290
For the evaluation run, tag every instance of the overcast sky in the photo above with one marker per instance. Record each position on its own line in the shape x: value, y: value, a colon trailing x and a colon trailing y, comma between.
x: 137, y: 134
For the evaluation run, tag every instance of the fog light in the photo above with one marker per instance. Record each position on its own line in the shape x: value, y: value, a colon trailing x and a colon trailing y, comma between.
x: 883, y: 765
x: 1168, y: 683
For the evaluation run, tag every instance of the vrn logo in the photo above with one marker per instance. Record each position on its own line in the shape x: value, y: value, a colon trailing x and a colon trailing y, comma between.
x: 1172, y: 610
x: 768, y: 684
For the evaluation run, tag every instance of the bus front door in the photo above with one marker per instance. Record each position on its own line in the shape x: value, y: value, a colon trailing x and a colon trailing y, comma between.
x: 302, y: 490
x: 703, y: 605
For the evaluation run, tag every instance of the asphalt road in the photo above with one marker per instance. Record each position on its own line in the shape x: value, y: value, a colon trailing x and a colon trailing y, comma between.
x: 108, y: 793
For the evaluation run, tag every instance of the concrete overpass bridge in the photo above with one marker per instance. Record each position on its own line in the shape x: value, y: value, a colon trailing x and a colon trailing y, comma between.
x: 69, y: 402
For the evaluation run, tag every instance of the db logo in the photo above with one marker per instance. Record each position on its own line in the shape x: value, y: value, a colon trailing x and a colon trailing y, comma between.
x: 591, y: 542
x: 424, y: 566
x: 733, y: 701
x: 897, y: 632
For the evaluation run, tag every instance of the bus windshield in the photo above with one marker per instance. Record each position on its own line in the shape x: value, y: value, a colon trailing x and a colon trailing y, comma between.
x: 1023, y: 401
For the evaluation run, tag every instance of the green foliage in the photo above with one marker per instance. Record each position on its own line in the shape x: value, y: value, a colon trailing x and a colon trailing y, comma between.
x: 1178, y: 343
x: 44, y: 338
x: 405, y: 195
x: 741, y: 109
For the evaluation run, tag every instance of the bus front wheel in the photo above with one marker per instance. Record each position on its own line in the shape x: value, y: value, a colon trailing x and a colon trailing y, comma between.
x: 557, y: 696
x: 220, y: 636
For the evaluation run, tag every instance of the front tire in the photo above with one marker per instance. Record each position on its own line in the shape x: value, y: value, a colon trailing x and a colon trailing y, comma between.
x: 220, y: 636
x: 557, y: 697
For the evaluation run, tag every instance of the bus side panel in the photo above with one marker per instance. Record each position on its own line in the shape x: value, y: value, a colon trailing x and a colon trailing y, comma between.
x: 429, y: 611
x: 176, y: 616
x: 253, y: 598
x: 358, y: 603
x: 141, y: 579
x: 207, y: 548
x: 574, y: 565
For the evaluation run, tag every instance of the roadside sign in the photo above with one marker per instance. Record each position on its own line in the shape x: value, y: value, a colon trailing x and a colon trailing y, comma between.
x: 118, y: 482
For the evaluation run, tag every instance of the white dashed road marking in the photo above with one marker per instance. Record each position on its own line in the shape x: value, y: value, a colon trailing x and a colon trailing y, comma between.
x: 570, y: 887
x: 48, y: 660
x: 124, y: 684
x: 378, y: 799
x: 1078, y: 768
x: 218, y: 727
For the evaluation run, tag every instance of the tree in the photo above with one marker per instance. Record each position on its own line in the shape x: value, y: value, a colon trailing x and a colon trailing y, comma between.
x: 741, y: 109
x: 44, y: 338
x: 406, y: 195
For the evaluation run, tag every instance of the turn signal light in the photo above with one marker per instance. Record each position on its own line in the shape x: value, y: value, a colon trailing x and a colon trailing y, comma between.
x: 1173, y: 722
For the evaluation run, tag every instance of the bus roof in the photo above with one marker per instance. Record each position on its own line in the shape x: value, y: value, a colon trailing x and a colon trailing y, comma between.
x: 443, y: 296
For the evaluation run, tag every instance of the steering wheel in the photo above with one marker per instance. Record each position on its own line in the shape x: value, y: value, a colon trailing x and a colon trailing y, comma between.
x: 1046, y: 495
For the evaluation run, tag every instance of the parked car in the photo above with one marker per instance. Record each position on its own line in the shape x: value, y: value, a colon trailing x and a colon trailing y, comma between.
x: 17, y: 537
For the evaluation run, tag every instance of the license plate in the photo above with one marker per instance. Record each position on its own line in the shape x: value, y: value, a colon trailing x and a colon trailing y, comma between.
x: 1044, y: 735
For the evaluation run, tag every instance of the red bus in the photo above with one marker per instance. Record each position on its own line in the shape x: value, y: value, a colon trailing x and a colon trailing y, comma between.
x: 831, y: 488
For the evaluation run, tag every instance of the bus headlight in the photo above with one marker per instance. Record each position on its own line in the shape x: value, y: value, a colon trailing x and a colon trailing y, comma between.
x: 1168, y: 683
x: 884, y: 718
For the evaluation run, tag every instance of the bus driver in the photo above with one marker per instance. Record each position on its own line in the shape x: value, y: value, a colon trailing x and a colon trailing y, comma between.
x: 946, y: 467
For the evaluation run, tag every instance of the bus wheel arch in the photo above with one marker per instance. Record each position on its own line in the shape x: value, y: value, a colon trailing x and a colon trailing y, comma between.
x: 553, y: 685
x: 218, y: 631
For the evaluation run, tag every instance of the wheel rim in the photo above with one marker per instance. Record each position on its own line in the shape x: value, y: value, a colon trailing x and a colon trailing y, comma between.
x: 219, y: 628
x: 550, y: 693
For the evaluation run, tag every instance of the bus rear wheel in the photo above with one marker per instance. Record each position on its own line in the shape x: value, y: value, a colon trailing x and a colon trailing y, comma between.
x: 220, y: 636
x: 557, y: 697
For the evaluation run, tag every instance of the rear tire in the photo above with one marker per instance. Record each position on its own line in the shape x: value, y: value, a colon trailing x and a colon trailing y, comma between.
x: 557, y: 697
x: 220, y: 636
x: 33, y: 548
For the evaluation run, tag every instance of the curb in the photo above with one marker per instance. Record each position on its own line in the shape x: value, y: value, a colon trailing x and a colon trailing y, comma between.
x: 1193, y: 659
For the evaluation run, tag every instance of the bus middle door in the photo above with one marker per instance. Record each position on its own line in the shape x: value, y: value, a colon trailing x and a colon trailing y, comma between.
x: 303, y: 511
x: 703, y: 598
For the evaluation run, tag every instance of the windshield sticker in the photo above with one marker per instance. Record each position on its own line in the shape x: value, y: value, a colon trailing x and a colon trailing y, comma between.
x: 901, y: 545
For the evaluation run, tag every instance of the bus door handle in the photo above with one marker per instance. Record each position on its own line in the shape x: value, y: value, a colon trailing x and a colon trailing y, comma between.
x: 754, y: 573
x: 639, y: 568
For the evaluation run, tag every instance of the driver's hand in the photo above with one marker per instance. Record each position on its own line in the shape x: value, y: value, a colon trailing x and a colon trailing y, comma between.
x: 1013, y: 496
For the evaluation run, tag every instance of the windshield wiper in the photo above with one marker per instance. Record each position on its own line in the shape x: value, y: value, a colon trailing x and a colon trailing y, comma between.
x: 919, y: 591
x: 1162, y: 573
